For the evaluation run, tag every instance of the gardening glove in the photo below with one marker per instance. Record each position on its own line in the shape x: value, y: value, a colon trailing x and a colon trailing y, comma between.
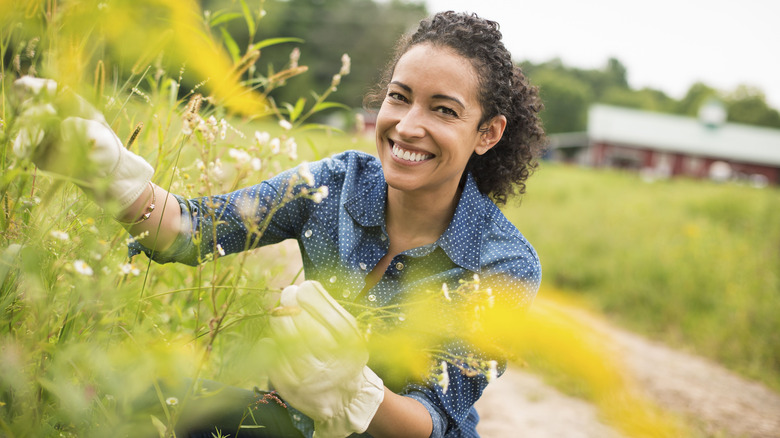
x: 57, y: 126
x: 320, y: 366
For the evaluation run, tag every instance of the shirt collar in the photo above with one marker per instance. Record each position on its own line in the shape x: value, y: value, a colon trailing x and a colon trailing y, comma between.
x: 460, y: 241
x: 367, y: 205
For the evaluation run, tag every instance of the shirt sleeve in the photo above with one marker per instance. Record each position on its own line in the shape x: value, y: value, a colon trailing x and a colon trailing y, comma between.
x: 259, y: 215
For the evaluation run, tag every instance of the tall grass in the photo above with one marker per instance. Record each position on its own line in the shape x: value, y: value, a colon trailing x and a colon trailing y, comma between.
x: 692, y: 263
x: 89, y: 338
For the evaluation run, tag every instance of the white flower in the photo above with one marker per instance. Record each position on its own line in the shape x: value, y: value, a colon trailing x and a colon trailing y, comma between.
x: 171, y: 401
x: 239, y: 155
x: 346, y: 63
x: 316, y: 197
x: 262, y: 137
x: 256, y: 164
x: 444, y: 377
x: 292, y: 148
x: 82, y: 267
x: 220, y: 250
x: 129, y: 268
x: 285, y: 124
x: 446, y: 291
x: 492, y: 371
x: 222, y: 129
x: 275, y: 145
x: 61, y: 235
x: 305, y: 174
x: 324, y: 191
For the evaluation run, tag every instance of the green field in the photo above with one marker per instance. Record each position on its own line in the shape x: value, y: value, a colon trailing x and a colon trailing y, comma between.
x: 691, y: 263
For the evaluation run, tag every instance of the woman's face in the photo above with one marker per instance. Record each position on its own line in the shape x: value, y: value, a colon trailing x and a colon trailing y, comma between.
x: 427, y: 126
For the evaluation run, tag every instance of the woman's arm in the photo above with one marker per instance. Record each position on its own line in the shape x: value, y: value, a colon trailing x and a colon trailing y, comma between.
x: 162, y: 226
x: 400, y: 416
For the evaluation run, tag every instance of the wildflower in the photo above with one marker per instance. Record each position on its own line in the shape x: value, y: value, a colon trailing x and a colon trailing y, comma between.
x: 256, y: 164
x: 285, y: 124
x: 275, y: 146
x: 222, y: 129
x: 305, y: 174
x: 220, y: 250
x: 239, y: 155
x: 345, y: 65
x: 292, y: 148
x: 444, y: 378
x: 82, y: 267
x: 446, y: 291
x: 335, y: 81
x: 294, y: 56
x: 129, y: 268
x: 171, y: 401
x: 200, y: 165
x: 492, y: 373
x: 262, y: 137
x: 60, y: 235
x: 476, y: 278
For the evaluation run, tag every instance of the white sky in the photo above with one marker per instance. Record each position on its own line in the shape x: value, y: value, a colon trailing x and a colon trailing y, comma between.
x: 664, y: 44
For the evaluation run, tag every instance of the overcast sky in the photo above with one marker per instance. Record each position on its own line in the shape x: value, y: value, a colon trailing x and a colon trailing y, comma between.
x: 664, y: 44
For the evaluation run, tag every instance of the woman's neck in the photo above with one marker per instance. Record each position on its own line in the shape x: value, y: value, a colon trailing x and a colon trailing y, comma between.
x: 415, y: 220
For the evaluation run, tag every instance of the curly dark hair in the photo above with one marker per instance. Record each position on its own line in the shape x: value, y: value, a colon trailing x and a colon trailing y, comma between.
x: 503, y: 89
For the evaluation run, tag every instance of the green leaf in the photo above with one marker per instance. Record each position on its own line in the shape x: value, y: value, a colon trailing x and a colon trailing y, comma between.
x: 231, y: 44
x: 320, y: 126
x: 327, y: 105
x: 220, y: 18
x: 273, y: 41
x: 250, y: 21
x: 296, y: 112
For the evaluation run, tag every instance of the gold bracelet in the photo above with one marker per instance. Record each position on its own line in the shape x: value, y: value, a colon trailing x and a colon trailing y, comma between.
x: 148, y: 213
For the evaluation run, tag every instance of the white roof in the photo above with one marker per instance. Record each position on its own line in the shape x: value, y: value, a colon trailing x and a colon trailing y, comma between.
x: 687, y: 135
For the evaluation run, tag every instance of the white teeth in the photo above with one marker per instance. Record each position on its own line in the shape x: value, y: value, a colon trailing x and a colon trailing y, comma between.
x: 408, y: 156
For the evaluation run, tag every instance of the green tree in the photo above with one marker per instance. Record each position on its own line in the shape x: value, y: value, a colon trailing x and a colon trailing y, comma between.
x: 330, y: 28
x: 748, y: 105
x: 566, y: 101
x: 696, y: 96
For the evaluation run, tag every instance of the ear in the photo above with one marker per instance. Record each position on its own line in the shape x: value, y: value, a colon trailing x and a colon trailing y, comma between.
x: 491, y: 133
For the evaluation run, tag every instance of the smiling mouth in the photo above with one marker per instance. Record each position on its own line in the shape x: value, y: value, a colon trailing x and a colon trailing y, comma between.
x: 404, y: 154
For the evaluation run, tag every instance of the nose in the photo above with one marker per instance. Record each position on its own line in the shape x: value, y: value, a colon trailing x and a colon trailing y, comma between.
x: 410, y: 124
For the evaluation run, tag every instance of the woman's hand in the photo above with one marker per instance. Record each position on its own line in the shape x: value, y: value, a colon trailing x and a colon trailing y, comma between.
x: 62, y: 133
x: 320, y: 363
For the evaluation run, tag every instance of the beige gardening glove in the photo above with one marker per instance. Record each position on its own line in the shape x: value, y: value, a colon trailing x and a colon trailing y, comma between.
x: 320, y: 365
x: 62, y: 133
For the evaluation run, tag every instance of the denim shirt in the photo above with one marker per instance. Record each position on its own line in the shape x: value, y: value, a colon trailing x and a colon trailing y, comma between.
x: 343, y: 237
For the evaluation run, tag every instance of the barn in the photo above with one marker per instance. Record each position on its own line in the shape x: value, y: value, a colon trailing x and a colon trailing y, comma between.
x: 665, y: 145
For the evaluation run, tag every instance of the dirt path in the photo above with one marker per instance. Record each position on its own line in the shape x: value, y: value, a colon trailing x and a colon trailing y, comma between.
x: 724, y: 404
x: 521, y: 405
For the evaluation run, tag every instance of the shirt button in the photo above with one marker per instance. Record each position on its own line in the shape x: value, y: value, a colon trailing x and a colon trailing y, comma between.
x: 383, y: 237
x: 363, y: 266
x: 307, y: 233
x: 345, y: 294
x: 333, y: 279
x: 399, y: 266
x: 296, y: 417
x: 372, y: 298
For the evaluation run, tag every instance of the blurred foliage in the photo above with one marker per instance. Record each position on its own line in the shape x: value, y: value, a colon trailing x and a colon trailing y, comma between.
x: 329, y: 29
x: 691, y: 263
x: 568, y: 92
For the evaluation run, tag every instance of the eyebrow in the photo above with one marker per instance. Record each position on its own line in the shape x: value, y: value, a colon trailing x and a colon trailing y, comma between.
x: 435, y: 96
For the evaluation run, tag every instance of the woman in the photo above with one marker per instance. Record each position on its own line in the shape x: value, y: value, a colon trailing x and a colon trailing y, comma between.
x: 457, y: 126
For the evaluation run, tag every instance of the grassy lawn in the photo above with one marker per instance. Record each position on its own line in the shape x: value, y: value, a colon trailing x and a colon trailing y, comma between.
x: 691, y: 263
